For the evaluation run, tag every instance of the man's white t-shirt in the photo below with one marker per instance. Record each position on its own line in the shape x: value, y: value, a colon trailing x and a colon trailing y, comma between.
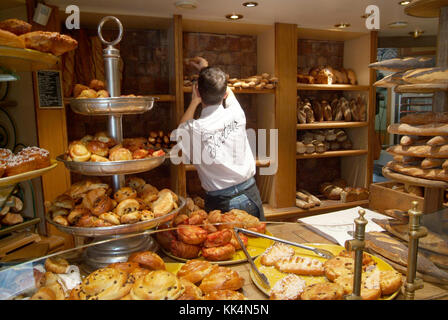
x: 219, y: 147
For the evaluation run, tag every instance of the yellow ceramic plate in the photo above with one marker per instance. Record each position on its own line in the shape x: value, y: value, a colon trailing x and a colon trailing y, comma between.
x: 7, y: 181
x: 274, y: 275
x: 255, y: 247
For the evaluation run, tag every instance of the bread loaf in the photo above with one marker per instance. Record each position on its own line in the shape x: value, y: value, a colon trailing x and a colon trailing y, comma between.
x: 318, y: 111
x: 9, y: 39
x: 423, y: 151
x: 15, y: 26
x: 328, y: 116
x: 352, y: 77
x: 427, y: 75
x: 300, y: 147
x: 407, y: 160
x: 311, y: 197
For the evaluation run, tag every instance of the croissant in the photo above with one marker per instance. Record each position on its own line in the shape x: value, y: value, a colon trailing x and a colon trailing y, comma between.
x: 222, y: 278
x: 157, y: 285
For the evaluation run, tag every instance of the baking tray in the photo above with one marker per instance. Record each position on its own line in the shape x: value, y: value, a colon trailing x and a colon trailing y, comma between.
x: 8, y: 181
x: 112, y: 105
x: 111, y: 168
x: 120, y: 229
x: 275, y: 275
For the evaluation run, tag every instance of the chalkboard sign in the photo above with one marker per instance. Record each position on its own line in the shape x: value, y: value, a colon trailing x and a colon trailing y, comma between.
x: 49, y: 89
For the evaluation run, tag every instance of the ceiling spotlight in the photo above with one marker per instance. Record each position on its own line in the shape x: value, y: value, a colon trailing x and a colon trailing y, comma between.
x: 342, y: 25
x: 250, y: 4
x: 186, y: 4
x: 404, y: 3
x: 234, y: 16
x: 398, y: 24
x: 416, y: 33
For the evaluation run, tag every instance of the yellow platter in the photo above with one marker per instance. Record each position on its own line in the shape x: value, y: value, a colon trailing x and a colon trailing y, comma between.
x: 173, y: 267
x: 255, y: 247
x: 7, y: 181
x: 274, y: 275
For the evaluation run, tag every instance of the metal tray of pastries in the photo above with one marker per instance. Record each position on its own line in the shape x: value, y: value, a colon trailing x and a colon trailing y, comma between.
x: 112, y: 105
x: 119, y: 229
x: 109, y: 168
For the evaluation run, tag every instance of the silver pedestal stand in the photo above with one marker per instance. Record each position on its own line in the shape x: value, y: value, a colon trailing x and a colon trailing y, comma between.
x: 114, y: 107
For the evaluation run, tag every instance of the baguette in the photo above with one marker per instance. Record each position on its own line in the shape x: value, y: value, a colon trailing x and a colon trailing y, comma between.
x: 415, y: 171
x: 425, y: 118
x: 403, y: 64
x: 437, y: 141
x: 433, y: 129
x: 427, y: 75
x: 304, y: 205
x: 312, y: 197
x: 302, y: 196
x: 423, y: 151
x: 407, y: 160
x: 430, y: 163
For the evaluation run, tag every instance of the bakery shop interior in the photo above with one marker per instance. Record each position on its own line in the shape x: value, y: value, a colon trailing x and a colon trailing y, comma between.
x: 223, y: 150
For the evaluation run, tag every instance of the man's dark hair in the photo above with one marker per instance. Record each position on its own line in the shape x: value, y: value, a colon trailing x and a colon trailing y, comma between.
x: 212, y: 85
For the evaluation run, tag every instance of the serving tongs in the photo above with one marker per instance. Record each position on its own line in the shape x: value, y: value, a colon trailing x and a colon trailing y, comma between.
x: 320, y: 252
x: 264, y: 280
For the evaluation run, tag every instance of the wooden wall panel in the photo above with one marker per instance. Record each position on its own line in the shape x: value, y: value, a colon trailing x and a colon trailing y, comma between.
x: 52, y: 133
x: 285, y: 113
x: 175, y: 44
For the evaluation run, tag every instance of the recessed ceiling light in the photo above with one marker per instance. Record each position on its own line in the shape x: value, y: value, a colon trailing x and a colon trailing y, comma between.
x: 186, y: 4
x: 342, y: 25
x: 398, y: 24
x: 416, y: 33
x: 234, y: 16
x: 250, y: 4
x: 404, y: 3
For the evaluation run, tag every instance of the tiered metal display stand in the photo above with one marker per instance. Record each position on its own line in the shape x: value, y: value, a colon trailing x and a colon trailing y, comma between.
x: 434, y: 190
x: 114, y: 107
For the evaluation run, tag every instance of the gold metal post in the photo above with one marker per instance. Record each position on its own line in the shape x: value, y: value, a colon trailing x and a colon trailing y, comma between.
x: 416, y: 231
x: 357, y: 244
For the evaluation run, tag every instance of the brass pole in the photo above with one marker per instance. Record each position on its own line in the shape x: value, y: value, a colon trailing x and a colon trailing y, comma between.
x: 416, y: 231
x: 357, y: 244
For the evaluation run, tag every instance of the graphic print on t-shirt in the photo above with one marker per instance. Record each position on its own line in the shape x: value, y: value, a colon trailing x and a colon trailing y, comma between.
x: 213, y: 141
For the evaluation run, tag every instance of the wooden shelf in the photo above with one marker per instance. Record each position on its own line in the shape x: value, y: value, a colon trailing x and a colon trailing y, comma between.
x: 17, y: 59
x: 336, y: 87
x: 258, y: 163
x: 331, y: 125
x: 274, y: 214
x: 27, y: 222
x: 329, y: 154
x: 240, y: 91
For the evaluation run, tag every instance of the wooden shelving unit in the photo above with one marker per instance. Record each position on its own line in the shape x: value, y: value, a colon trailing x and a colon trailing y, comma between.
x: 332, y: 87
x: 17, y: 59
x: 294, y: 213
x: 332, y: 125
x: 240, y: 91
x: 329, y: 154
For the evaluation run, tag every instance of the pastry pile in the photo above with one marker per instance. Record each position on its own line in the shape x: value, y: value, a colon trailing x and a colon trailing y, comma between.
x: 208, y: 235
x: 18, y: 34
x: 90, y: 203
x: 10, y: 213
x: 102, y: 148
x: 320, y: 141
x: 28, y: 159
x: 257, y: 82
x: 338, y: 272
x: 338, y: 109
x: 327, y: 75
x: 142, y: 277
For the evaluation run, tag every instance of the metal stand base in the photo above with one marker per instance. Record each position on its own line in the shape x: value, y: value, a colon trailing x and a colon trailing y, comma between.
x: 100, y: 256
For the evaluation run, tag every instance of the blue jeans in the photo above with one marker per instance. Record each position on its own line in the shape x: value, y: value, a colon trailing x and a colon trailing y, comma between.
x: 244, y: 196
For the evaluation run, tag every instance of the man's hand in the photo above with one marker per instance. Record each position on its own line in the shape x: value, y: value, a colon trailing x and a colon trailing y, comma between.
x: 195, y: 102
x: 198, y: 63
x: 195, y: 97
